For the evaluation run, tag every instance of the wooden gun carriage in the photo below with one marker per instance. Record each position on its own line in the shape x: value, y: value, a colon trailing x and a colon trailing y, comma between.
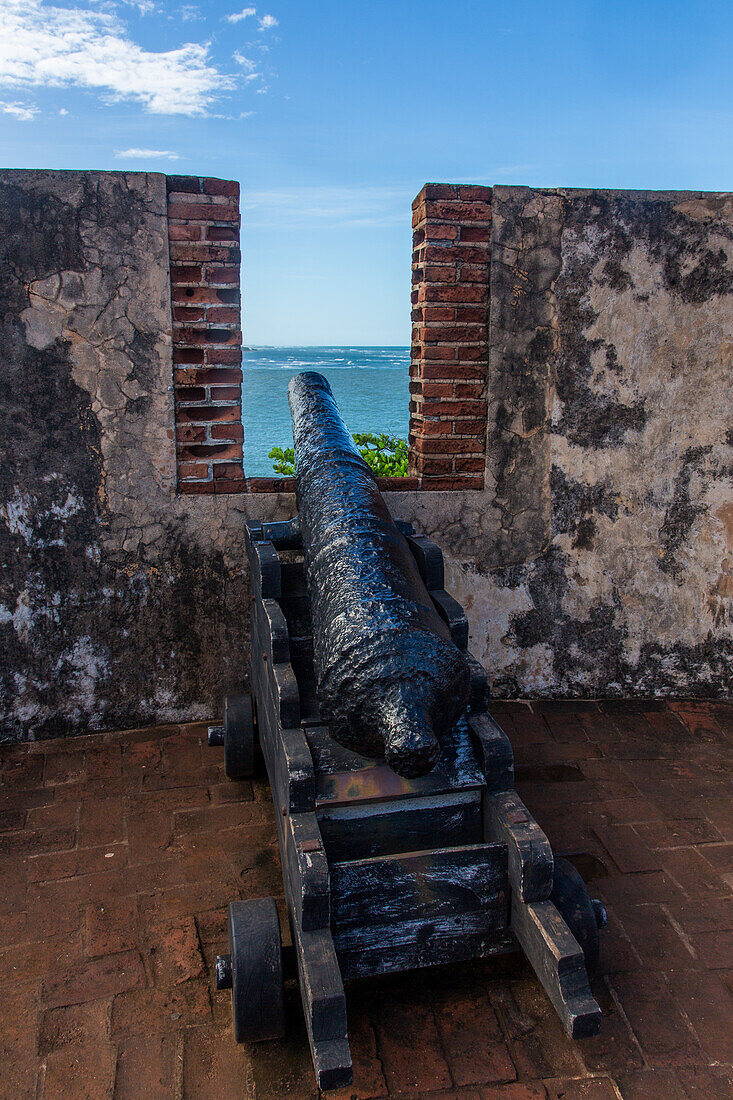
x: 384, y: 873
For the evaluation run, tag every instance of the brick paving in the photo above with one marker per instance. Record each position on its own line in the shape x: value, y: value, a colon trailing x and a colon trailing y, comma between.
x: 120, y: 852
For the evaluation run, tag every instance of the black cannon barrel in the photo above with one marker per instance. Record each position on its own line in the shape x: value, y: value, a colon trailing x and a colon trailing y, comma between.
x: 390, y: 679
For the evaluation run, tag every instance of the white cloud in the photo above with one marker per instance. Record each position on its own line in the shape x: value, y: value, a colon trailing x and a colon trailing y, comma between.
x: 247, y: 65
x: 190, y: 14
x: 238, y: 16
x: 267, y: 21
x: 146, y: 154
x: 21, y: 111
x: 44, y: 45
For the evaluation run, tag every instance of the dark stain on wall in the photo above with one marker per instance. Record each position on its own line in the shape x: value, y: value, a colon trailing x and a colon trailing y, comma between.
x: 94, y: 634
x: 574, y: 505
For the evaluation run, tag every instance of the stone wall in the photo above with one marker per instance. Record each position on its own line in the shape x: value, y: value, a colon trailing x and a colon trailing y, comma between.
x: 121, y: 602
x: 610, y: 446
x: 597, y: 559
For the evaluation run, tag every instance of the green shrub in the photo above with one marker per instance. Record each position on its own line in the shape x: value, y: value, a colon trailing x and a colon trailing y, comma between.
x: 385, y: 454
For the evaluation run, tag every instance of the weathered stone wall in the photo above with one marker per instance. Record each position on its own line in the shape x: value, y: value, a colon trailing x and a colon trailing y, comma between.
x: 120, y: 602
x: 597, y: 559
x: 610, y: 446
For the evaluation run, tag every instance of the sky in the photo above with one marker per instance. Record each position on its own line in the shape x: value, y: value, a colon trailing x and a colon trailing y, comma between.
x: 332, y: 115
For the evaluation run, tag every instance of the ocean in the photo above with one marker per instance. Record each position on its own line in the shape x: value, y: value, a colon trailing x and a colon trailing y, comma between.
x: 371, y: 386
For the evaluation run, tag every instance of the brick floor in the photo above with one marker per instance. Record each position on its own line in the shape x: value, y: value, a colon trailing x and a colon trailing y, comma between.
x: 120, y: 852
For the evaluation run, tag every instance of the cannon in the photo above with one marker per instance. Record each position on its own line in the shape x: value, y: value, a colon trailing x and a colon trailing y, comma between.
x: 403, y: 842
x: 390, y: 681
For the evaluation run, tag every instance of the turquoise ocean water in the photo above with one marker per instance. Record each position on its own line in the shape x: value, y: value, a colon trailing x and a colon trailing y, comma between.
x: 369, y: 384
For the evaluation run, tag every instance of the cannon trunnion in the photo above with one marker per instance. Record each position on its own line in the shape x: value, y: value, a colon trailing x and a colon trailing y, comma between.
x: 385, y: 872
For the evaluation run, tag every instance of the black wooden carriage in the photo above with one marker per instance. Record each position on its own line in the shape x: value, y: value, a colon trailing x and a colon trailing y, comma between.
x: 383, y: 873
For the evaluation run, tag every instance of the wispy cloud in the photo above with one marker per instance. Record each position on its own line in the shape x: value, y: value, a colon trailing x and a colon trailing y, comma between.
x: 146, y: 154
x: 190, y: 14
x: 238, y: 16
x: 267, y: 21
x: 43, y: 45
x: 22, y: 111
x: 247, y: 64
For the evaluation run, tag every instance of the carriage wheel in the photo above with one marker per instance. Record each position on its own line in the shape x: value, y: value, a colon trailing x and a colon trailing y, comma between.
x: 582, y: 916
x: 239, y: 736
x: 253, y: 971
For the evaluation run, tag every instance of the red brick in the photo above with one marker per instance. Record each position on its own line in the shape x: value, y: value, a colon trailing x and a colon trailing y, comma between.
x: 204, y: 212
x: 458, y: 211
x: 100, y: 821
x: 186, y: 273
x: 206, y: 295
x: 170, y: 1009
x: 518, y: 1090
x: 213, y: 186
x: 73, y: 1025
x: 187, y: 184
x: 433, y: 427
x: 227, y: 393
x: 448, y: 446
x: 272, y: 484
x: 82, y: 1072
x: 627, y: 849
x: 714, y: 1083
x: 23, y: 771
x: 207, y: 335
x: 585, y: 1088
x: 213, y: 1067
x: 472, y: 1042
x: 663, y: 1032
x: 196, y: 471
x: 449, y: 408
x: 207, y: 376
x: 208, y: 414
x: 94, y: 980
x: 221, y: 233
x: 110, y: 927
x: 26, y: 842
x: 474, y: 234
x: 470, y: 427
x: 147, y: 1066
x: 225, y: 452
x: 224, y: 357
x: 63, y: 767
x: 222, y: 275
x: 397, y: 484
x: 228, y: 470
x: 708, y: 1005
x: 204, y: 252
x: 222, y: 315
x: 176, y: 953
x: 188, y: 313
x: 401, y: 1032
x: 224, y: 486
x: 188, y: 433
x: 188, y: 355
x: 184, y: 232
x: 470, y: 293
x: 195, y: 488
x: 233, y: 433
x: 76, y: 861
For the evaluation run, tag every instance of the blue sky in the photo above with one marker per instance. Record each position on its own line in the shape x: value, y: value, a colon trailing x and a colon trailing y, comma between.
x: 333, y: 115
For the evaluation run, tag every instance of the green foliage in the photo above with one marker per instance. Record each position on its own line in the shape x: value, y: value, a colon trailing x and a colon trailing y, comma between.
x: 283, y: 461
x: 385, y: 454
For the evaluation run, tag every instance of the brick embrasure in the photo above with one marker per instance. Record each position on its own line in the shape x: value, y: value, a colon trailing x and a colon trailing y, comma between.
x: 203, y: 235
x: 449, y: 358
